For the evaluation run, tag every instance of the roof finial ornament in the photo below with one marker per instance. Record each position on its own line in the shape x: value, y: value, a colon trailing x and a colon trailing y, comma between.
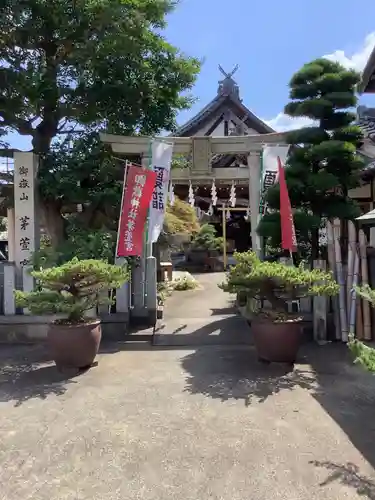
x: 228, y: 86
x: 230, y: 74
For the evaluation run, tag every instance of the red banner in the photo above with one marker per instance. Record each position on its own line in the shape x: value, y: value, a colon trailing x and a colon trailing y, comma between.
x: 288, y: 233
x: 136, y: 197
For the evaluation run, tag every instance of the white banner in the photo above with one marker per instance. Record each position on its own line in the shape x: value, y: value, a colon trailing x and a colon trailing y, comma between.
x: 161, y: 159
x: 270, y: 169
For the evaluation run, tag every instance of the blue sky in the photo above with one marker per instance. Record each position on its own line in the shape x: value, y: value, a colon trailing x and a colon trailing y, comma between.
x: 269, y: 40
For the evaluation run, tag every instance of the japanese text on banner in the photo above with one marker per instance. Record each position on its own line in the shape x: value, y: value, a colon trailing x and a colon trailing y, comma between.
x: 161, y: 165
x: 138, y: 188
x: 158, y: 194
x: 270, y: 157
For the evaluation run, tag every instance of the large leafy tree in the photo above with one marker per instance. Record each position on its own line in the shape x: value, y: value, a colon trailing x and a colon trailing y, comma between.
x: 85, y: 65
x: 85, y: 174
x: 81, y: 184
x: 323, y: 164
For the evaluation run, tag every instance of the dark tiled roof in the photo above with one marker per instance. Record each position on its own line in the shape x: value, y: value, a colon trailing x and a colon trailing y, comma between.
x: 209, y: 111
x: 369, y: 168
x: 366, y: 120
x: 227, y: 97
x: 367, y: 83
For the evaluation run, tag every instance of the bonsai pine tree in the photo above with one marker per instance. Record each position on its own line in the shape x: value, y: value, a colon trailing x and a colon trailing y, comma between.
x: 72, y: 289
x: 323, y: 162
x: 275, y: 282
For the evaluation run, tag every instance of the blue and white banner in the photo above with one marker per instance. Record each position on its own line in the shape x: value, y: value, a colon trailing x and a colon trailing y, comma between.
x: 269, y: 172
x: 161, y: 160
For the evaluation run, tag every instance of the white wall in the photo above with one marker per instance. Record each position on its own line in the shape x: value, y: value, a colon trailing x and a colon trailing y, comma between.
x: 361, y: 192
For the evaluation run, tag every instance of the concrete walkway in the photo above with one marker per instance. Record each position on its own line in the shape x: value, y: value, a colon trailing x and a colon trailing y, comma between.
x: 204, y: 423
x: 200, y: 419
x: 205, y: 316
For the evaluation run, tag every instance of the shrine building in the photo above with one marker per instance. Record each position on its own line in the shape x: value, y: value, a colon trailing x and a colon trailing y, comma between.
x: 225, y: 115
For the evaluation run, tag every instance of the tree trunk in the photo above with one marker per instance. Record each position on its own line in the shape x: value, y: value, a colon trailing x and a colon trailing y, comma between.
x: 43, y: 136
x: 53, y: 222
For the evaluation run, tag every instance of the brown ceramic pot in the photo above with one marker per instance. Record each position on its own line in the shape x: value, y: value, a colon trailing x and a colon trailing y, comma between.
x: 74, y: 346
x: 276, y: 342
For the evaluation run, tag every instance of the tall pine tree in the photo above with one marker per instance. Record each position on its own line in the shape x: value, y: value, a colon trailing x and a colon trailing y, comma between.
x: 323, y: 163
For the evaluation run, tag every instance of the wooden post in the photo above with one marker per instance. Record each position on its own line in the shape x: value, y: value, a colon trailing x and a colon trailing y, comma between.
x: 224, y: 211
x: 320, y: 310
x: 352, y: 239
x: 359, y: 316
x: 340, y: 280
x: 224, y: 219
x: 364, y: 271
x: 353, y: 303
x: 332, y: 267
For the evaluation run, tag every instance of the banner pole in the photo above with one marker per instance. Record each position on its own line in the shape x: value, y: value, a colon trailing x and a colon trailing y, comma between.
x: 262, y: 245
x: 148, y: 244
x: 121, y: 207
x: 120, y: 260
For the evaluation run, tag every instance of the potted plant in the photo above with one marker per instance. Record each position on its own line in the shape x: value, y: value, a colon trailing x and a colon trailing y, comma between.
x: 204, y: 244
x: 269, y: 288
x: 70, y: 291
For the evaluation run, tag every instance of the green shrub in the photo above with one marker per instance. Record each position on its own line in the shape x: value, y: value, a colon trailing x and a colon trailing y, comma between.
x: 164, y: 290
x: 206, y: 239
x: 184, y: 283
x: 363, y: 354
x: 275, y: 282
x: 81, y: 243
x: 72, y: 288
x: 180, y: 218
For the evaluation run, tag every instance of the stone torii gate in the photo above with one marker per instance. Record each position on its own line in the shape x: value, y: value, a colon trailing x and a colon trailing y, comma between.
x: 200, y: 149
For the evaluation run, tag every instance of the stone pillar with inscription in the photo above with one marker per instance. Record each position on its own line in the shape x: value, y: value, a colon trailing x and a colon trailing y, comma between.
x: 254, y: 193
x: 26, y: 221
x: 11, y: 240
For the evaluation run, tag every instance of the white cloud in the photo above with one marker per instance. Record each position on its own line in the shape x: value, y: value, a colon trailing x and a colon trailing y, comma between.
x: 356, y: 60
x: 282, y: 122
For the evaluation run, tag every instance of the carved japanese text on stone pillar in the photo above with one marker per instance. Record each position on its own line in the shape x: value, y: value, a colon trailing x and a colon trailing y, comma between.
x: 25, y: 166
x: 201, y: 148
